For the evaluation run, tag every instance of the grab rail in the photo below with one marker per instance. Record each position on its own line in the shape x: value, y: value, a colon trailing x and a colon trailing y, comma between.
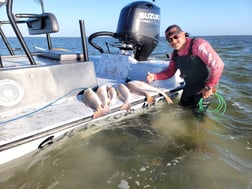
x: 17, y: 31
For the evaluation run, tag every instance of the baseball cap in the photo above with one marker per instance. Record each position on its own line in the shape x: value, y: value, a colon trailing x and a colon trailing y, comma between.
x: 176, y: 29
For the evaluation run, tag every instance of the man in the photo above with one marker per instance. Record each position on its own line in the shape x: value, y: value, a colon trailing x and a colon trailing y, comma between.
x: 199, y: 64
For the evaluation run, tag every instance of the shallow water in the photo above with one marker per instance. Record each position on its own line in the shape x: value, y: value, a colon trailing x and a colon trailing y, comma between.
x: 162, y: 147
x: 154, y: 149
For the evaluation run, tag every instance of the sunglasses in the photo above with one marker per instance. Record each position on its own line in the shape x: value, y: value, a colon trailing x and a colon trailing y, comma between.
x: 170, y: 39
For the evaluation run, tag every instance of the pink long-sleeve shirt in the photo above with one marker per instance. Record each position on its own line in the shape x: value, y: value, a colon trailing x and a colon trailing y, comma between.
x: 206, y: 53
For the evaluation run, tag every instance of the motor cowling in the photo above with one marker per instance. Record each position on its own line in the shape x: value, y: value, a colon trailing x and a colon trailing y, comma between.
x: 139, y: 26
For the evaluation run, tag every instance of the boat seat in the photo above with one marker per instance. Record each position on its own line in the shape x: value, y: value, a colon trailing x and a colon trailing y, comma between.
x: 59, y: 54
x: 42, y: 24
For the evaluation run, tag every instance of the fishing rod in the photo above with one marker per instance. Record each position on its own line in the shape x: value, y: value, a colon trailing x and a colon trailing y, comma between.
x: 41, y: 2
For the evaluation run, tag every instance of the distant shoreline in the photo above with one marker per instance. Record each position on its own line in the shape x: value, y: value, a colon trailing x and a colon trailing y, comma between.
x: 160, y: 36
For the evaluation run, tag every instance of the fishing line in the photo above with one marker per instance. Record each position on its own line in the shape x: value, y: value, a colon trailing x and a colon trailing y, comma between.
x: 40, y: 109
x: 221, y: 107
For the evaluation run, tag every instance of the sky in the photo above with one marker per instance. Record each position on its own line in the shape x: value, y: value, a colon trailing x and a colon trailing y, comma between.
x: 197, y: 17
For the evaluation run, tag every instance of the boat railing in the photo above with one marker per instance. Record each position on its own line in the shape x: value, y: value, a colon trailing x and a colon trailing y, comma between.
x: 13, y: 23
x: 43, y: 23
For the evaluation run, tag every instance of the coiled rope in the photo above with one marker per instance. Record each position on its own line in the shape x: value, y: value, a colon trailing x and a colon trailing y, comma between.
x: 221, y: 107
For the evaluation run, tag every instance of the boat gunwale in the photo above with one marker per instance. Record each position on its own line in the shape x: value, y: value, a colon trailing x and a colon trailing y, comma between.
x: 84, y: 120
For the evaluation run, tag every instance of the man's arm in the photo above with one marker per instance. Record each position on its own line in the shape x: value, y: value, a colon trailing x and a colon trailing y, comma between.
x: 210, y: 57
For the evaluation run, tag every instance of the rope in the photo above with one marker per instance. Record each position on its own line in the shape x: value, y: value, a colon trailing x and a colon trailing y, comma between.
x: 40, y: 109
x: 221, y: 108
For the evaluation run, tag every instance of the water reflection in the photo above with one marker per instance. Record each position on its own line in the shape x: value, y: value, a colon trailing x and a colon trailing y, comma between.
x: 154, y: 149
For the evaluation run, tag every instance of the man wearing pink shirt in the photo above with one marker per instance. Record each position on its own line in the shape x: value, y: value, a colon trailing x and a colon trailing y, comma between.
x: 199, y: 64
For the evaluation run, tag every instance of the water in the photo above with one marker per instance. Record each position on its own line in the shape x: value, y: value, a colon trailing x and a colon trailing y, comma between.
x: 159, y: 148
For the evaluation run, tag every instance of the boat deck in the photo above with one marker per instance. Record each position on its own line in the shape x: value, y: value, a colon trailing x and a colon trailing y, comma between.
x: 52, y: 116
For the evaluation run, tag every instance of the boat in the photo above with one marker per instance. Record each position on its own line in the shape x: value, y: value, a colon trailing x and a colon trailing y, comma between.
x: 41, y: 92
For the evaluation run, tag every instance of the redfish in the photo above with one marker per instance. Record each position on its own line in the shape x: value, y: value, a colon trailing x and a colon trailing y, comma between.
x: 112, y: 95
x: 135, y: 89
x: 92, y: 100
x: 142, y: 87
x: 124, y: 95
x: 103, y: 95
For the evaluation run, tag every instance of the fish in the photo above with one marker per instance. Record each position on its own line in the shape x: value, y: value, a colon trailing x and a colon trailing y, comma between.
x: 124, y: 95
x: 91, y: 99
x: 112, y: 94
x: 141, y: 86
x: 103, y: 95
x: 135, y: 89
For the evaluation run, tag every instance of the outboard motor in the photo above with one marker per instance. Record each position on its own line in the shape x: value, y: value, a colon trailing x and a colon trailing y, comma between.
x: 139, y: 25
x: 138, y: 29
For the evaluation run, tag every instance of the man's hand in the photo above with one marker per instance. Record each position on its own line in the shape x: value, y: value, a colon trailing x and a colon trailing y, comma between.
x: 150, y: 77
x: 207, y: 92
